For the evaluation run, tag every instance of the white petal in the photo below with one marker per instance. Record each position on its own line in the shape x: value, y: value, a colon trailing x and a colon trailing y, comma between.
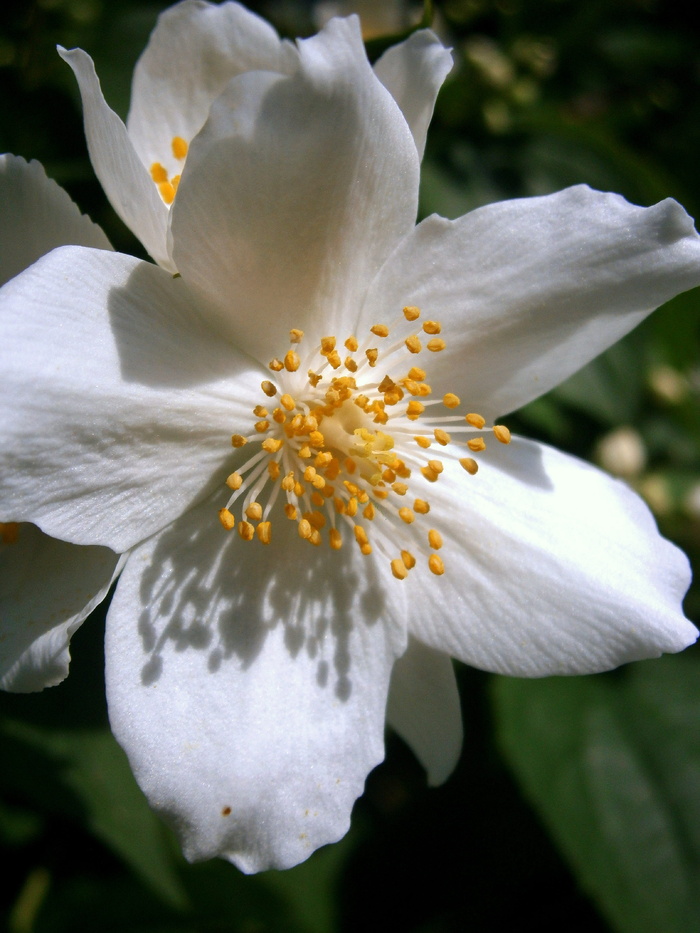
x: 37, y: 216
x: 47, y: 589
x: 118, y: 404
x: 529, y: 291
x: 552, y: 567
x: 294, y: 193
x: 413, y: 72
x: 424, y: 709
x: 126, y: 181
x: 194, y: 51
x: 248, y: 686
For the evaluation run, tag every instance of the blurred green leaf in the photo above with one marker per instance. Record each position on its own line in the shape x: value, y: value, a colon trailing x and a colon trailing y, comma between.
x: 612, y: 763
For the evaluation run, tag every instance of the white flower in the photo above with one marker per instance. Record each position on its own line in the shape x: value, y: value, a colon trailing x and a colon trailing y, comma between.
x: 248, y: 679
x: 193, y: 53
x: 47, y: 587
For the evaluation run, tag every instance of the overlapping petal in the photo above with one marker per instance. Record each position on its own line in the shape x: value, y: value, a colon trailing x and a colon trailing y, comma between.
x: 194, y: 51
x: 413, y: 72
x: 424, y: 709
x: 47, y: 588
x: 528, y: 291
x: 553, y: 568
x: 331, y: 150
x: 119, y: 403
x: 248, y: 685
x: 37, y: 216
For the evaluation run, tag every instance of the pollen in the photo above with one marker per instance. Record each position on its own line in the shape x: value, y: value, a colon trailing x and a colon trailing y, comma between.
x: 341, y: 449
x: 179, y: 147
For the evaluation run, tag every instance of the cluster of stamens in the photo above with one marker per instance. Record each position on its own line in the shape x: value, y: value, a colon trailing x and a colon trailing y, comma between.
x: 331, y: 447
x: 167, y: 186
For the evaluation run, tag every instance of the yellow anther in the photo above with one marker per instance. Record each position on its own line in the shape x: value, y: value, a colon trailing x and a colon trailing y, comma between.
x: 366, y: 549
x: 276, y: 365
x: 469, y: 464
x: 334, y: 359
x: 234, y: 481
x: 421, y: 506
x: 260, y: 411
x: 304, y: 452
x: 334, y: 539
x: 434, y: 539
x: 175, y: 182
x: 400, y: 488
x: 323, y: 459
x: 351, y: 507
x: 450, y: 400
x: 269, y: 388
x: 304, y: 529
x: 254, y: 512
x: 273, y: 468
x: 436, y: 565
x: 411, y: 313
x: 310, y: 423
x: 414, y: 410
x: 295, y: 335
x: 279, y: 416
x: 237, y: 440
x: 429, y: 474
x: 408, y: 559
x: 246, y: 530
x: 286, y: 401
x: 380, y: 330
x: 476, y: 444
x: 362, y: 402
x: 298, y: 489
x: 476, y: 421
x: 416, y: 373
x: 327, y: 345
x: 309, y: 473
x: 158, y: 173
x: 402, y: 470
x: 350, y: 364
x: 432, y: 327
x: 388, y: 476
x: 315, y: 537
x: 179, y: 147
x: 398, y: 568
x: 226, y: 518
x: 424, y: 388
x: 406, y: 515
x: 167, y: 192
x: 423, y: 442
x: 271, y: 445
x: 290, y: 511
x: 316, y: 439
x: 291, y: 361
x: 436, y: 344
x: 351, y: 344
x: 288, y: 483
x: 502, y: 433
x: 318, y: 482
x: 368, y: 512
x: 381, y: 492
x: 314, y: 378
x: 372, y: 356
x: 317, y: 499
x: 413, y: 343
x: 360, y: 535
x: 339, y: 505
x: 264, y: 532
x: 436, y: 466
x: 442, y: 437
x: 316, y: 519
x: 262, y: 426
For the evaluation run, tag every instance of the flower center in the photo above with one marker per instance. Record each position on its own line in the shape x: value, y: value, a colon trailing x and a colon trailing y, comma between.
x: 340, y: 445
x: 167, y: 186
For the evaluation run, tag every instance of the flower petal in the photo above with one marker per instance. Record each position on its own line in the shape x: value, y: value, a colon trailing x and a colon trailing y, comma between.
x: 125, y: 179
x: 47, y: 589
x: 413, y: 72
x: 119, y: 405
x: 424, y: 709
x: 329, y: 157
x: 194, y: 51
x: 552, y: 567
x: 37, y: 216
x: 528, y: 291
x: 248, y: 685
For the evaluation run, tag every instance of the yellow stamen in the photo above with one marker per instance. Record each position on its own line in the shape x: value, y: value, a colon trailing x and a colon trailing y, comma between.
x: 158, y: 173
x: 351, y: 344
x: 254, y: 512
x: 291, y: 361
x: 295, y: 335
x: 276, y: 365
x: 372, y: 356
x: 398, y: 568
x: 470, y: 465
x: 436, y: 466
x: 451, y: 400
x: 268, y: 388
x: 436, y: 344
x: 421, y: 506
x: 417, y: 374
x: 442, y: 437
x: 335, y: 540
x: 271, y: 445
x: 413, y: 343
x: 179, y: 147
x: 422, y: 442
x: 167, y: 192
x: 435, y: 539
x: 436, y: 565
x: 225, y: 517
x: 414, y: 410
x: 408, y: 559
x: 264, y: 532
x: 411, y: 313
x: 234, y: 481
x: 262, y: 426
x: 381, y: 330
x: 246, y: 530
x: 476, y: 444
x: 327, y: 345
x: 237, y: 440
x: 304, y: 528
x: 476, y: 421
x: 286, y: 401
x: 502, y: 433
x: 432, y: 327
x: 406, y: 515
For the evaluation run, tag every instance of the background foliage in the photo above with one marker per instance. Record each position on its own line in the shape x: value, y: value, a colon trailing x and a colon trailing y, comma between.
x: 576, y: 804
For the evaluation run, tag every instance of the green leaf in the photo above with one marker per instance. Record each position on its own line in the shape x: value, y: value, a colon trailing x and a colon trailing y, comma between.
x: 612, y: 764
x: 84, y: 774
